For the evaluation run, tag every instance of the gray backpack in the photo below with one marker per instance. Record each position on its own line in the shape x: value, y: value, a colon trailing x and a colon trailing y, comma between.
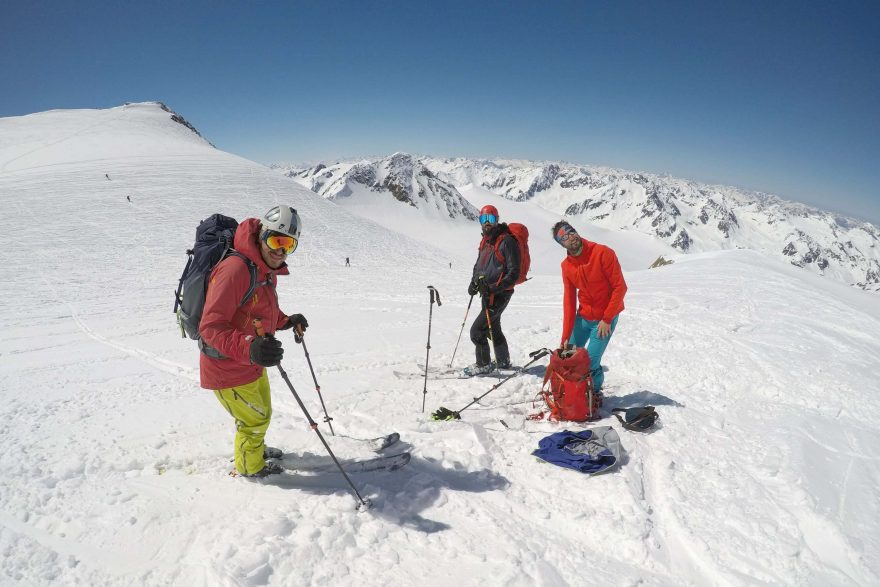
x: 214, y: 238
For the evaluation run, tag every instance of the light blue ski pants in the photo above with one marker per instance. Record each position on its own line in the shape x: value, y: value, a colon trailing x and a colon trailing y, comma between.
x: 585, y: 333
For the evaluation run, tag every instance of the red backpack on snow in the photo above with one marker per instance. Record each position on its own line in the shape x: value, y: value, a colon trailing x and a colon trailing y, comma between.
x: 570, y: 395
x: 521, y: 235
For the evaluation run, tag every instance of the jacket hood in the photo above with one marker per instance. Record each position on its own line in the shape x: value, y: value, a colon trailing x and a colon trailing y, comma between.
x: 247, y: 239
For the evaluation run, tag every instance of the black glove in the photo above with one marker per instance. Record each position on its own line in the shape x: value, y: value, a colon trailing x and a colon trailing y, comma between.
x: 484, y: 288
x: 266, y: 351
x: 298, y: 322
x: 473, y: 288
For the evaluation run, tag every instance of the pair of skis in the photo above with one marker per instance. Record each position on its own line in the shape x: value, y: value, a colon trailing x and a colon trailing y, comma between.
x: 380, y: 463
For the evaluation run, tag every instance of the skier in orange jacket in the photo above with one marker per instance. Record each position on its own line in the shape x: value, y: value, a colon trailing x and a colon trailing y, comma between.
x: 594, y: 286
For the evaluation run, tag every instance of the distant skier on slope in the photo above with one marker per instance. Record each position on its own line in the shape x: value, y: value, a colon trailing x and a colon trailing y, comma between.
x: 347, y: 262
x: 495, y: 274
x: 593, y: 280
x: 234, y: 359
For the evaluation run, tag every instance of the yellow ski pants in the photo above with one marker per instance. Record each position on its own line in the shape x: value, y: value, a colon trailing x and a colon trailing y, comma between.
x: 251, y: 406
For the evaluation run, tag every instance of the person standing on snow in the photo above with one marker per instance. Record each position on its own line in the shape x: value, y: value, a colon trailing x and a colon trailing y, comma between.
x: 234, y: 358
x: 593, y: 280
x: 495, y: 273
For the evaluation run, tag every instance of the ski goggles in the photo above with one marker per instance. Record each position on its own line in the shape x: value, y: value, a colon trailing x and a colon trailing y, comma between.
x: 564, y: 233
x: 488, y: 219
x: 280, y: 242
x: 637, y: 419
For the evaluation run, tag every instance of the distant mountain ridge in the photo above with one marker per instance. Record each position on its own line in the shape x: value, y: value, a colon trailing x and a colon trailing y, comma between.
x: 402, y: 176
x: 689, y: 216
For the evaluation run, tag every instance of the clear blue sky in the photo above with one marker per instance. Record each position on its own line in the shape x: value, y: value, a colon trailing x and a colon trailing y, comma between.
x: 778, y: 96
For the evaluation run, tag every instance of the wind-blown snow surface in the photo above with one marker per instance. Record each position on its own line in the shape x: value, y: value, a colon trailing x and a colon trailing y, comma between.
x: 114, y: 468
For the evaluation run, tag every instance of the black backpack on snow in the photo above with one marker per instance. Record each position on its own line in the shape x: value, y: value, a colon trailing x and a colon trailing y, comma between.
x: 214, y: 239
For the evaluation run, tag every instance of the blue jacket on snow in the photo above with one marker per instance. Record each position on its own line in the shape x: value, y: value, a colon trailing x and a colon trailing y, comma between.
x: 588, y: 451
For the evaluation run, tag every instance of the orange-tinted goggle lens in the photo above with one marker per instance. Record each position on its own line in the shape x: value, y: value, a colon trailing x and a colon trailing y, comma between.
x: 286, y: 243
x: 564, y: 233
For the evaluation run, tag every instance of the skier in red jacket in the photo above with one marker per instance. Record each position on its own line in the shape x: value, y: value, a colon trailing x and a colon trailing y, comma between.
x: 593, y: 281
x: 234, y: 358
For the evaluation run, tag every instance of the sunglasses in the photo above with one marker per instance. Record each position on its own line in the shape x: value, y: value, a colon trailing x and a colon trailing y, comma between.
x: 564, y: 233
x: 637, y: 419
x: 278, y: 242
x: 488, y: 219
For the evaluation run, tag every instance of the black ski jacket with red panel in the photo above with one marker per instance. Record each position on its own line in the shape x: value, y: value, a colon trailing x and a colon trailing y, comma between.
x: 498, y: 259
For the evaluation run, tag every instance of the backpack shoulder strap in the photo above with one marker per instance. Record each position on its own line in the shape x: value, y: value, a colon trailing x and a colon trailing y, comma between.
x: 177, y: 296
x: 252, y: 268
x: 498, y: 242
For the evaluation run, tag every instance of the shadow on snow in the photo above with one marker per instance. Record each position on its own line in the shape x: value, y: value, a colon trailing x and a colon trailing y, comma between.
x: 397, y: 496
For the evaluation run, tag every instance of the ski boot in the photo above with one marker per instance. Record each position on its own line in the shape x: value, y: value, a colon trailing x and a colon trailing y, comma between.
x: 476, y: 369
x: 269, y: 469
x: 270, y: 452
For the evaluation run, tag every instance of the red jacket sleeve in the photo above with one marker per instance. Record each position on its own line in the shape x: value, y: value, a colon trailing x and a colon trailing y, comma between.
x: 227, y: 285
x: 569, y: 306
x: 611, y: 268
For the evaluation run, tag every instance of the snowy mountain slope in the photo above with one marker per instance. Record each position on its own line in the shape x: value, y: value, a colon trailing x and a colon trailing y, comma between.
x: 399, y: 193
x: 58, y: 137
x: 115, y: 468
x: 690, y: 216
x: 687, y: 216
x: 635, y: 250
x: 398, y: 176
x: 433, y: 205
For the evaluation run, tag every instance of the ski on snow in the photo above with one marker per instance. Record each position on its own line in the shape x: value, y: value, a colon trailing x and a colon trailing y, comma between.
x: 384, y: 463
x: 379, y: 443
x: 455, y: 374
x: 459, y: 371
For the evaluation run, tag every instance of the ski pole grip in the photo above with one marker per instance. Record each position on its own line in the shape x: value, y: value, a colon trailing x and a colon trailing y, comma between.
x: 258, y: 326
x: 539, y: 353
x: 434, y: 293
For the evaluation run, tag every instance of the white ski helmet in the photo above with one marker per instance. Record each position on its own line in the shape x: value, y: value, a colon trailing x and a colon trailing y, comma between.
x: 283, y: 219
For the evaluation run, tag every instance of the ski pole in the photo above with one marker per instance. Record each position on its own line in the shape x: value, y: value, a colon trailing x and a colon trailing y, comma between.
x: 489, y: 324
x: 363, y: 504
x: 301, y: 339
x: 434, y: 293
x: 466, y: 312
x: 447, y: 414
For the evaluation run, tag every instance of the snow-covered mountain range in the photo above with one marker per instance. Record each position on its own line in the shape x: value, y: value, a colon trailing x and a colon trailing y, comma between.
x: 689, y: 216
x: 401, y: 176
